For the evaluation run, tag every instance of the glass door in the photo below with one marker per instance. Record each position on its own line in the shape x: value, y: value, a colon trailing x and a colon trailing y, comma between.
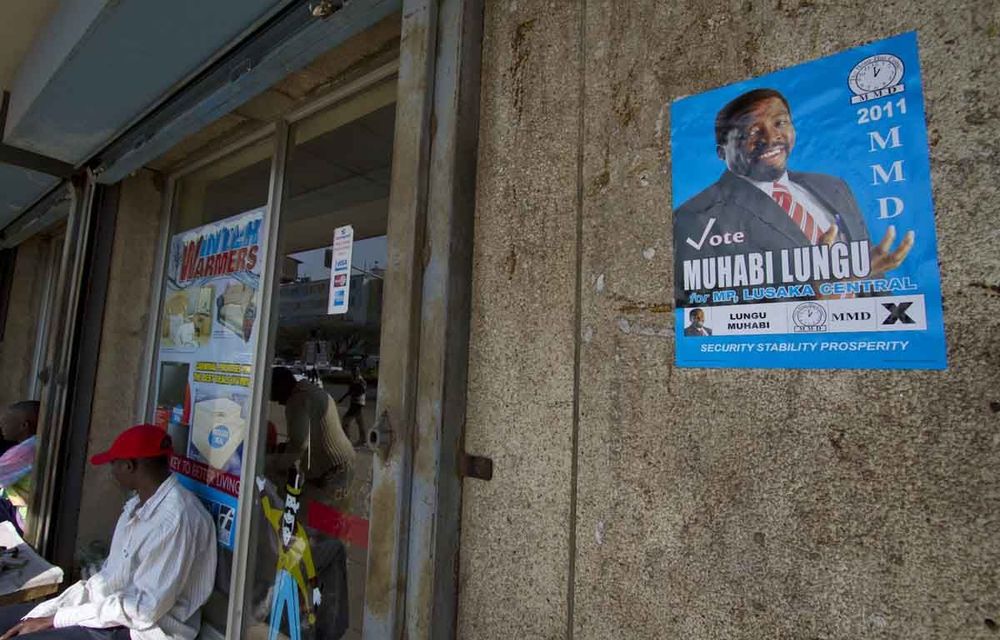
x: 309, y: 534
x: 207, y: 337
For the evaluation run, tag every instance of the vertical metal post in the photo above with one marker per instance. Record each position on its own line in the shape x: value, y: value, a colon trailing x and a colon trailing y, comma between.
x: 60, y: 350
x: 46, y: 301
x: 244, y: 561
x: 78, y: 402
x: 391, y: 474
x: 432, y: 590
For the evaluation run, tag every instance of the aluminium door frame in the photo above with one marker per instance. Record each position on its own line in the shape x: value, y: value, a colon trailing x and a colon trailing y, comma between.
x: 414, y: 520
x: 59, y: 360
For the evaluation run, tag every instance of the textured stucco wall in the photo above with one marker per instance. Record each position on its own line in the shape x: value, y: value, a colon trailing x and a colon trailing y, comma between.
x: 713, y: 504
x: 127, y: 313
x: 18, y: 344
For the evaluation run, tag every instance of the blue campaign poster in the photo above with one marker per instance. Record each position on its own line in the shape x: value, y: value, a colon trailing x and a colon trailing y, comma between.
x: 803, y: 220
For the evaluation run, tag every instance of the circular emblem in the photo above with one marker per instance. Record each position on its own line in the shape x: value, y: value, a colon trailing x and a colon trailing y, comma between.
x: 875, y: 73
x: 809, y: 314
x: 219, y: 436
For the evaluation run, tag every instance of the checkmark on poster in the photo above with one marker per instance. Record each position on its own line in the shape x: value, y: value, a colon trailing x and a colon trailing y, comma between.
x: 708, y: 229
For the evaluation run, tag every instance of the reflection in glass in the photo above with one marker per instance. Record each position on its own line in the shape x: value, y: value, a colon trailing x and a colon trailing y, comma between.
x: 313, y: 485
x: 207, y: 337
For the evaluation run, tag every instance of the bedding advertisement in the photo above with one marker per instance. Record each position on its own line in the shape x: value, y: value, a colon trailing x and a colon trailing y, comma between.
x: 803, y: 220
x: 205, y: 366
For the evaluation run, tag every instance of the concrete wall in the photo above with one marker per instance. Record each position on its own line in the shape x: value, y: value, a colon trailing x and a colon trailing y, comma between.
x: 127, y: 314
x: 699, y: 504
x: 18, y: 344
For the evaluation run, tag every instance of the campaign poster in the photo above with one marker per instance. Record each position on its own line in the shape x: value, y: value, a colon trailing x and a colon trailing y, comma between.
x: 803, y: 221
x: 206, y: 357
x: 340, y: 270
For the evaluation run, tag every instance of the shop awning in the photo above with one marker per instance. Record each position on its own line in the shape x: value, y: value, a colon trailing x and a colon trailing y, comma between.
x: 93, y: 68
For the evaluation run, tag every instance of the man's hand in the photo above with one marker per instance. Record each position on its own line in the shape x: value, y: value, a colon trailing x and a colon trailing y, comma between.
x: 30, y: 625
x: 882, y: 260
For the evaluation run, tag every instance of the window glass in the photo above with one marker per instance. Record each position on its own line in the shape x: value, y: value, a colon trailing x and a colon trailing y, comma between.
x: 310, y: 538
x: 208, y: 338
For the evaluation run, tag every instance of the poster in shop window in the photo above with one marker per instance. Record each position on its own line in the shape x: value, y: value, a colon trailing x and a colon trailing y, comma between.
x: 207, y: 343
x: 803, y: 221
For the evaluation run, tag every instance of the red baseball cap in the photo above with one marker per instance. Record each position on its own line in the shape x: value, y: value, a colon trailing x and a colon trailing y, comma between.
x: 140, y: 441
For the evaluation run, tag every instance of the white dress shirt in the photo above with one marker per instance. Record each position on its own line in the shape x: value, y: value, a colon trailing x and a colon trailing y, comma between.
x: 823, y: 216
x: 160, y: 571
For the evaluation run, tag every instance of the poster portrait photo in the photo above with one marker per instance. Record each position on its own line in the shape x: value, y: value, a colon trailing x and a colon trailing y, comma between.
x: 808, y: 185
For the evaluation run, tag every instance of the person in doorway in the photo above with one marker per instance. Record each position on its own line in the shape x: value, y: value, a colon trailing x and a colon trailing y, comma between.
x: 18, y: 424
x: 356, y: 410
x: 315, y: 438
x: 161, y: 568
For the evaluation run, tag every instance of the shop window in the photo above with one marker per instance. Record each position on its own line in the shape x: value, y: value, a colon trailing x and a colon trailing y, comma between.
x: 337, y: 187
x: 230, y: 186
x: 208, y: 337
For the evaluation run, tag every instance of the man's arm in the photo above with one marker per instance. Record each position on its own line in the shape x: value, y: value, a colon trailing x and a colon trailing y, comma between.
x: 154, y: 588
x: 297, y: 422
x: 72, y: 596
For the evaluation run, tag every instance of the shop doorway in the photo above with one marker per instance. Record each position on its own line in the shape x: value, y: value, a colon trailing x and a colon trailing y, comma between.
x: 331, y: 262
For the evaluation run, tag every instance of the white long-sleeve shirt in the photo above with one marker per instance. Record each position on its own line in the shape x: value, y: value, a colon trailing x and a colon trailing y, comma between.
x: 159, y: 573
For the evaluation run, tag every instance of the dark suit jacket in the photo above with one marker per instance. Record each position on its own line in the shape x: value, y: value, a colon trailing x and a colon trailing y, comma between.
x: 691, y: 331
x: 737, y: 205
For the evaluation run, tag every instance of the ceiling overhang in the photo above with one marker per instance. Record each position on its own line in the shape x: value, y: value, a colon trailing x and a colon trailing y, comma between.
x: 95, y: 68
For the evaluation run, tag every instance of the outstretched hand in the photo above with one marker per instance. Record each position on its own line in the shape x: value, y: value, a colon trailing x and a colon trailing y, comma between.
x: 882, y: 260
x: 29, y: 625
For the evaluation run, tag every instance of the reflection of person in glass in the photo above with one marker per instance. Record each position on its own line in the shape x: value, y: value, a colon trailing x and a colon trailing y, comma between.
x: 356, y: 411
x: 319, y: 461
x: 315, y: 438
x: 759, y: 205
x: 697, y: 326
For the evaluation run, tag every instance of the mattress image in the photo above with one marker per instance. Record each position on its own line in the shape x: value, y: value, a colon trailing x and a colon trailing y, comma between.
x: 217, y: 430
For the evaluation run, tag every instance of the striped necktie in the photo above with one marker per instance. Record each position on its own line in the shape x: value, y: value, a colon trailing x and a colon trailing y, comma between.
x: 802, y: 219
x: 797, y: 212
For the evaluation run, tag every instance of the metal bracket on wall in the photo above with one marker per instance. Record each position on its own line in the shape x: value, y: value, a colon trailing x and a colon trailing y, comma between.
x: 28, y: 159
x: 380, y: 435
x: 478, y: 467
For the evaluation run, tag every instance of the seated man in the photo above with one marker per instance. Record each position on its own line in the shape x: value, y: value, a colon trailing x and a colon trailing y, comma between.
x: 18, y: 424
x: 162, y: 563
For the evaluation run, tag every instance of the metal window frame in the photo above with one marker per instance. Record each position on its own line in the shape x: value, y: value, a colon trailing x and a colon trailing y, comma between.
x: 168, y: 227
x: 39, y: 373
x: 412, y: 573
x: 59, y: 358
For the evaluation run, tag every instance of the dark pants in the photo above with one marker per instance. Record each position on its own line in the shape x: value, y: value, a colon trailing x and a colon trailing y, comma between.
x: 10, y: 616
x: 355, y: 414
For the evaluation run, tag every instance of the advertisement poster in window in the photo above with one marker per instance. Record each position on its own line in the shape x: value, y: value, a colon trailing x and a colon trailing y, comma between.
x: 340, y: 270
x: 803, y: 220
x: 206, y: 358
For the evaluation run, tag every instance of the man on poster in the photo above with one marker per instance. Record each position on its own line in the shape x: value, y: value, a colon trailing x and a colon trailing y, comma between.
x: 759, y: 205
x: 697, y: 327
